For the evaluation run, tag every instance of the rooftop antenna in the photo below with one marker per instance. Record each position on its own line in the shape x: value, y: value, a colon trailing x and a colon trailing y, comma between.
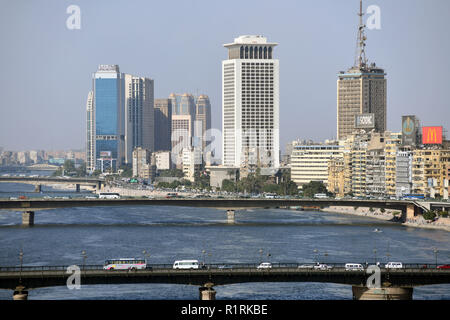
x: 360, y: 59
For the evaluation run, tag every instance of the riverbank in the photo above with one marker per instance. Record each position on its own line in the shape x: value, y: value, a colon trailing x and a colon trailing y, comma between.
x: 387, y: 215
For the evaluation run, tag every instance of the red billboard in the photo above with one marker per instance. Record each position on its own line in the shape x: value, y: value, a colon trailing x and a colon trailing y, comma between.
x: 431, y: 135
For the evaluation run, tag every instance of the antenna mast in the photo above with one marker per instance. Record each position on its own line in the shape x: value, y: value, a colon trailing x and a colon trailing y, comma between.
x: 360, y: 59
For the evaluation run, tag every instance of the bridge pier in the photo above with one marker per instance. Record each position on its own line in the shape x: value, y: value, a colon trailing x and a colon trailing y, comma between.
x: 387, y: 293
x: 38, y: 188
x: 410, y: 211
x: 230, y: 216
x: 20, y: 293
x: 207, y: 292
x: 28, y: 218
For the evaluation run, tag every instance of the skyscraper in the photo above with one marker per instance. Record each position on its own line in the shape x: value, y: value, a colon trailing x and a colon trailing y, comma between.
x: 163, y: 124
x: 139, y: 114
x: 361, y: 91
x: 108, y: 104
x: 120, y: 117
x: 202, y: 122
x: 250, y: 103
x: 90, y: 133
x: 183, y: 116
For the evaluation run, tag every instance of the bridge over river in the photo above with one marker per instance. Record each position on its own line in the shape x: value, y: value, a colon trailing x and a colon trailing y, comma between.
x: 395, y: 283
x: 409, y: 208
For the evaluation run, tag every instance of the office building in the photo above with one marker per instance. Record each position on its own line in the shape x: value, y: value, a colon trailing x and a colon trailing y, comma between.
x: 139, y: 114
x: 361, y: 93
x: 163, y: 124
x: 311, y: 162
x: 108, y: 104
x: 250, y: 103
x: 202, y: 127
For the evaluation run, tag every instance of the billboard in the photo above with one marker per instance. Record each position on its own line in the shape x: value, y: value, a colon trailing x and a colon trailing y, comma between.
x: 410, y: 130
x: 365, y: 121
x: 105, y: 154
x: 432, y: 135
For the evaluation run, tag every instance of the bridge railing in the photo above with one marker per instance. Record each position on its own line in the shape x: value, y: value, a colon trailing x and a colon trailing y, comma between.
x: 275, y: 265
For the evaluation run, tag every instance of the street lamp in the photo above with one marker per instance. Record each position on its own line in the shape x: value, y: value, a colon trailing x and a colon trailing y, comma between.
x: 375, y: 255
x: 316, y: 253
x: 435, y: 254
x: 21, y: 263
x: 325, y: 255
x: 260, y: 255
x: 146, y: 254
x: 83, y: 254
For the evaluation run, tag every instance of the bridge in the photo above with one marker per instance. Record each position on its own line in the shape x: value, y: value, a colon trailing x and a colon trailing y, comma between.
x: 39, y: 181
x: 409, y: 208
x: 395, y: 283
x: 28, y: 206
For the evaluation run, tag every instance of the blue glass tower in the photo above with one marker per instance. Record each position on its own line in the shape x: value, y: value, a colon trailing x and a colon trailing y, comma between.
x: 109, y: 125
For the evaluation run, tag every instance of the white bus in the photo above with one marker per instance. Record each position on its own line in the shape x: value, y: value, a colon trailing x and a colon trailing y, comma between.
x: 125, y: 264
x: 320, y: 196
x: 185, y: 264
x: 109, y: 195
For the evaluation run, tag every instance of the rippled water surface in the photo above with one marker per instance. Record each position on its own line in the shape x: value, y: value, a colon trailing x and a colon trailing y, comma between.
x: 172, y: 233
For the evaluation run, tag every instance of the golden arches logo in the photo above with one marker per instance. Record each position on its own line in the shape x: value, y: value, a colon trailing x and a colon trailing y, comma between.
x: 432, y: 135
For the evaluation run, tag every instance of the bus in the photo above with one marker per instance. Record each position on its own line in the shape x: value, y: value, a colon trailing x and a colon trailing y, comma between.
x: 414, y: 196
x: 125, y: 264
x: 320, y: 196
x: 109, y: 195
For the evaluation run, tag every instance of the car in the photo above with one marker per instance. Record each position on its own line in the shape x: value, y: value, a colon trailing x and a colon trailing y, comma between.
x: 354, y: 267
x: 265, y: 265
x: 444, y: 266
x: 322, y: 266
x: 225, y: 266
x: 394, y: 265
x: 306, y: 266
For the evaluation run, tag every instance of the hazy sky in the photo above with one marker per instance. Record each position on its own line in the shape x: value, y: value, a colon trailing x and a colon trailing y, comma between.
x: 46, y: 68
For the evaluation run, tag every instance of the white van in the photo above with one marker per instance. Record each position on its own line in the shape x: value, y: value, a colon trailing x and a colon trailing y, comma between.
x: 394, y: 265
x: 185, y: 264
x: 354, y: 267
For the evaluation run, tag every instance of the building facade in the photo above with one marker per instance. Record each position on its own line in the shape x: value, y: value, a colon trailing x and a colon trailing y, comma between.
x: 108, y: 103
x: 311, y: 162
x: 163, y: 124
x: 250, y: 103
x: 139, y: 114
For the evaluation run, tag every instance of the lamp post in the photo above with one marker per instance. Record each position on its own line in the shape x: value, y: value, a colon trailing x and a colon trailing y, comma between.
x: 260, y: 255
x: 21, y: 263
x: 435, y: 250
x: 375, y: 255
x: 83, y: 254
x: 146, y: 255
x: 325, y: 257
x: 316, y: 255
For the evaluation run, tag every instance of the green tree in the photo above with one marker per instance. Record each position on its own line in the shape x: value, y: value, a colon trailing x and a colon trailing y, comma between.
x: 313, y: 187
x: 429, y: 215
x: 228, y: 185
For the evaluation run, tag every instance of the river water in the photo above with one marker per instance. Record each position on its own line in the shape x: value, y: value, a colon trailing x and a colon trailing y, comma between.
x: 174, y: 233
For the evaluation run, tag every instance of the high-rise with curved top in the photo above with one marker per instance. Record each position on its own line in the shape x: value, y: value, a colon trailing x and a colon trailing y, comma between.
x: 250, y: 103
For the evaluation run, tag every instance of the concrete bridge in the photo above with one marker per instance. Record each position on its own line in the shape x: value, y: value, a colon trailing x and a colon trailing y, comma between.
x: 395, y: 283
x: 409, y: 208
x: 39, y: 181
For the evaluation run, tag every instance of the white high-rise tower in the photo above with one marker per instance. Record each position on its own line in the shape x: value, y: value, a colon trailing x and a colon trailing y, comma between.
x: 250, y: 104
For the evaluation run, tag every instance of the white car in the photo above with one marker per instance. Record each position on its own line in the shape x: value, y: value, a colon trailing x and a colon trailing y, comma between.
x: 354, y: 267
x: 265, y: 265
x: 322, y: 266
x: 394, y: 265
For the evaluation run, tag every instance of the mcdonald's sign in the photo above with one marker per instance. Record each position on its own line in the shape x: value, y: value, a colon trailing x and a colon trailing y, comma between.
x: 431, y: 135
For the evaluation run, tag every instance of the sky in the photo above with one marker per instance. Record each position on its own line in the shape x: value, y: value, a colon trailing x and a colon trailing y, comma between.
x: 46, y: 68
